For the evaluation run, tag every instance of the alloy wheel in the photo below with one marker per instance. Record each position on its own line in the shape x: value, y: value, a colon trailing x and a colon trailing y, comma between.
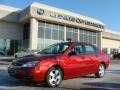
x: 101, y: 71
x: 54, y: 77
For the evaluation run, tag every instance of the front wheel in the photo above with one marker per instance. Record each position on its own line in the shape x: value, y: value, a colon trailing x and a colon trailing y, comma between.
x: 101, y: 71
x: 54, y: 77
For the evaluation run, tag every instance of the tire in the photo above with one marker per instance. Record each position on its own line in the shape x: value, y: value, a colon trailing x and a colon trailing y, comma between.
x: 54, y: 77
x: 101, y: 71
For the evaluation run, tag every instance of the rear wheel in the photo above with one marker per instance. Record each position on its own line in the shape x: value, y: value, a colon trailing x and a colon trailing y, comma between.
x: 54, y: 77
x: 101, y: 71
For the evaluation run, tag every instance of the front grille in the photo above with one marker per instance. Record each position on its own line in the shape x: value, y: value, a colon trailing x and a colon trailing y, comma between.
x: 17, y: 64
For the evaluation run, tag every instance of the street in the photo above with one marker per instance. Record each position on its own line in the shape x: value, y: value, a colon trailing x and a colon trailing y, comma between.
x: 111, y: 81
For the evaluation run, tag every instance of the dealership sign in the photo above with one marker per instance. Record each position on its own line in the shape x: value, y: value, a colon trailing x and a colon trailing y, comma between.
x: 69, y: 18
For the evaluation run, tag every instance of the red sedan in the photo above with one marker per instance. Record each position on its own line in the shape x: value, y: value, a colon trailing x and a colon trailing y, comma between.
x: 60, y: 61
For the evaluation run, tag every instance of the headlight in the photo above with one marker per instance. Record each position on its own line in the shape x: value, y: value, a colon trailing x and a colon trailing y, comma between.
x: 30, y: 64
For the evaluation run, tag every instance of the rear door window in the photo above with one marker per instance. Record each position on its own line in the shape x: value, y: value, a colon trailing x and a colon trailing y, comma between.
x: 89, y: 49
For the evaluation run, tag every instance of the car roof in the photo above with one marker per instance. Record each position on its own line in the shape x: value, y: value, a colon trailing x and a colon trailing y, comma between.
x: 75, y: 42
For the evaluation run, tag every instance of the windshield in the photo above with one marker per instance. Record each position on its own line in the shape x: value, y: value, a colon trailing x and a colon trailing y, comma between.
x: 55, y: 48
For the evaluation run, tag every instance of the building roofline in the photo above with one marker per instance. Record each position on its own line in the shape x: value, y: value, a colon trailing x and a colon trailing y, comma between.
x: 66, y: 12
x: 9, y: 8
x: 113, y: 32
x: 111, y: 35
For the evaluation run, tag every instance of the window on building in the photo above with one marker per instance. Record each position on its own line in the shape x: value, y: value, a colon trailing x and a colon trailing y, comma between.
x: 49, y: 33
x: 114, y: 51
x: 105, y: 50
x: 88, y: 36
x: 9, y: 47
x: 41, y: 32
x: 71, y: 34
x: 55, y: 34
x: 26, y: 33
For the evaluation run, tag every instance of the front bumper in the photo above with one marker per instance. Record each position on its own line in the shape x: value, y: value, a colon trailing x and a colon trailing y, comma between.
x: 26, y: 74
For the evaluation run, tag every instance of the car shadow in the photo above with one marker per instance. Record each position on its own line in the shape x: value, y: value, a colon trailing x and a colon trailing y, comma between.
x: 88, y: 76
x: 104, y: 86
x: 95, y: 86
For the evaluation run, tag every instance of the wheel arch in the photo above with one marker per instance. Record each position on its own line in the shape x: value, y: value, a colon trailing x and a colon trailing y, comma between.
x: 103, y: 64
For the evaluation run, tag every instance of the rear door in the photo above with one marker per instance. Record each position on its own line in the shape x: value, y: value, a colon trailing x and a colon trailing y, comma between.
x: 91, y: 57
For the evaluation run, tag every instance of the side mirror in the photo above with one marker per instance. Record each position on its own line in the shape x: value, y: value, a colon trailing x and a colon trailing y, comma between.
x: 72, y: 53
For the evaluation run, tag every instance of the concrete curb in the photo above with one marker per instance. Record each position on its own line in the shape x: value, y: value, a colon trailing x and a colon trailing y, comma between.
x: 6, y: 60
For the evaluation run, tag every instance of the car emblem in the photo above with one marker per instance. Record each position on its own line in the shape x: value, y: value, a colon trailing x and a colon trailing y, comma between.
x: 40, y: 11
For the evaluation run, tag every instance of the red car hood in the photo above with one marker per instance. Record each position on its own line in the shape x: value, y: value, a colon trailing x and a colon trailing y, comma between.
x: 28, y: 58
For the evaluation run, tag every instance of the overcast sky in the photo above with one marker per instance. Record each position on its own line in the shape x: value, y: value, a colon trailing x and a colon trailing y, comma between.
x: 108, y: 11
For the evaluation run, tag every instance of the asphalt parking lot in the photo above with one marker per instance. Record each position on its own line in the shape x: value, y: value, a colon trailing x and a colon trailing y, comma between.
x: 111, y: 81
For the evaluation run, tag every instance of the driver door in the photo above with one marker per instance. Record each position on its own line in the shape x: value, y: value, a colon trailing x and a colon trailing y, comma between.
x: 75, y: 61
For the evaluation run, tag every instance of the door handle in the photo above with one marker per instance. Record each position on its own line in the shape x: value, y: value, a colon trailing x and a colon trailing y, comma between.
x: 83, y: 57
x: 96, y: 55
